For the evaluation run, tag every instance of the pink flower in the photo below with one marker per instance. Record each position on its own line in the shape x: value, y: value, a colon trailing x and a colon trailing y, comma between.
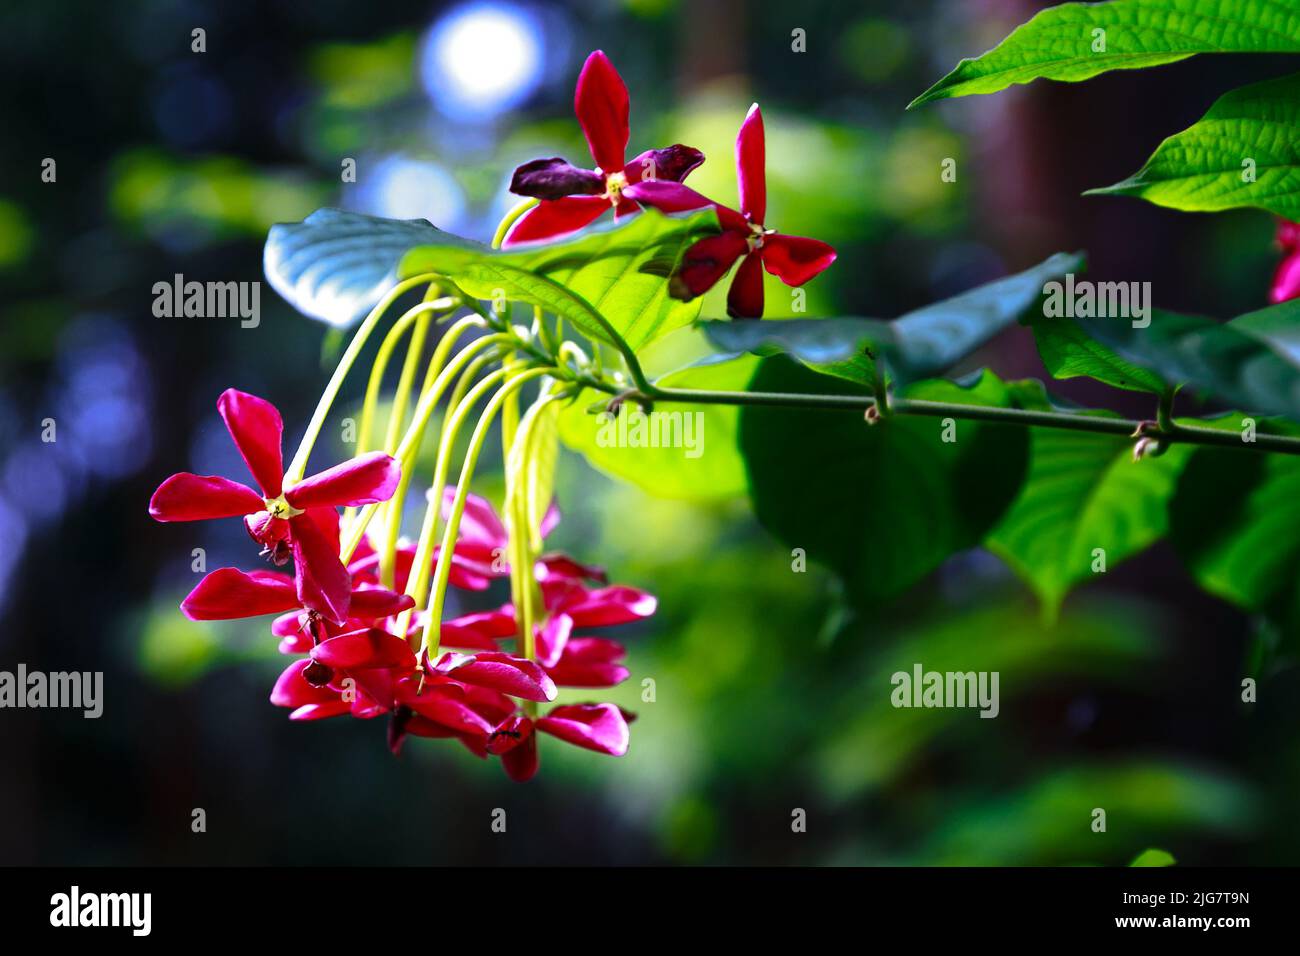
x: 599, y: 727
x: 298, y: 521
x: 1286, y: 281
x: 571, y: 197
x: 792, y: 259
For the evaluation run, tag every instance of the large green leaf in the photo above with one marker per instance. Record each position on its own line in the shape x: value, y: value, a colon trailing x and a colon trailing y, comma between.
x: 915, y: 346
x: 1062, y: 42
x: 708, y: 468
x: 882, y: 504
x: 1084, y: 491
x: 1244, y: 152
x: 616, y: 275
x: 1068, y: 351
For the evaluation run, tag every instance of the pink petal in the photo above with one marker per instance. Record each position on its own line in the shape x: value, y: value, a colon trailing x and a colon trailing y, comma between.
x: 552, y: 638
x: 555, y: 217
x: 666, y: 196
x: 520, y: 763
x: 364, y: 649
x: 364, y: 480
x: 256, y: 429
x: 445, y: 704
x: 1286, y: 282
x: 372, y: 603
x: 590, y: 662
x: 292, y: 690
x: 228, y: 593
x: 504, y: 673
x: 745, y: 297
x: 704, y: 263
x: 598, y: 727
x: 479, y: 630
x: 1288, y: 234
x: 601, y: 104
x: 509, y: 734
x: 793, y: 259
x: 551, y: 567
x: 479, y: 523
x: 333, y: 708
x: 617, y: 604
x: 187, y: 497
x: 750, y: 166
x: 324, y: 585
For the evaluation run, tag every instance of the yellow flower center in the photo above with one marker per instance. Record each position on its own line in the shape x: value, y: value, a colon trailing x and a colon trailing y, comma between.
x: 280, y: 508
x: 615, y: 183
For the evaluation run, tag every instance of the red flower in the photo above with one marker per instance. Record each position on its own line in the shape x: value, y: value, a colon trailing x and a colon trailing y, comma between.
x: 599, y: 727
x: 792, y: 259
x: 571, y: 197
x: 1286, y: 281
x: 298, y: 521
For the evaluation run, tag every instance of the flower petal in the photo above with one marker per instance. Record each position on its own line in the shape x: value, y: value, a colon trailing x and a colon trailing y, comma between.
x: 750, y: 162
x: 667, y: 197
x: 364, y: 480
x: 257, y: 431
x: 1286, y: 281
x: 554, y: 179
x: 745, y: 297
x: 479, y: 523
x: 598, y: 727
x: 509, y: 734
x: 617, y: 604
x: 556, y: 217
x: 324, y: 585
x: 446, y: 704
x: 562, y: 567
x: 670, y: 164
x: 292, y: 690
x: 601, y: 104
x: 228, y: 593
x: 704, y: 263
x: 793, y: 259
x: 520, y: 763
x: 368, y: 648
x: 187, y: 497
x: 590, y: 662
x: 479, y: 630
x: 370, y: 603
x: 504, y: 673
x: 552, y: 638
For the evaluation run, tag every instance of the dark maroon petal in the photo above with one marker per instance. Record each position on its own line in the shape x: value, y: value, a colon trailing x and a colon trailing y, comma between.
x: 520, y: 763
x: 793, y: 259
x: 556, y: 217
x: 371, y: 603
x: 705, y: 263
x: 601, y: 104
x: 504, y: 673
x: 598, y: 727
x: 228, y: 593
x: 554, y: 179
x: 1286, y: 281
x: 187, y: 497
x: 671, y: 164
x: 750, y: 166
x: 360, y: 650
x: 617, y: 604
x: 256, y: 429
x: 509, y: 734
x: 324, y: 585
x: 667, y: 197
x: 745, y: 297
x: 364, y: 480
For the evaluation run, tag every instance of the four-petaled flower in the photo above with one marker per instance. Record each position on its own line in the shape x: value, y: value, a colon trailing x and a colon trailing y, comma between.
x: 299, y: 520
x: 571, y: 197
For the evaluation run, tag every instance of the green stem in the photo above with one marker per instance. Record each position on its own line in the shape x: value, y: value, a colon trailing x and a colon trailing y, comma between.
x: 509, y: 219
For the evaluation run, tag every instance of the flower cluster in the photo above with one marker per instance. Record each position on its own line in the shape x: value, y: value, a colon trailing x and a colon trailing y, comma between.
x: 1286, y: 281
x: 360, y: 648
x: 571, y: 198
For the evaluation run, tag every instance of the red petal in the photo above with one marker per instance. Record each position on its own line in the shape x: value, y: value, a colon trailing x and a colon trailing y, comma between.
x: 509, y: 734
x: 602, y: 106
x: 520, y: 763
x: 187, y: 497
x: 555, y: 217
x: 292, y: 690
x: 666, y: 196
x: 504, y: 673
x: 793, y: 259
x: 370, y: 604
x: 364, y: 649
x: 479, y: 630
x: 562, y: 567
x: 750, y: 162
x: 228, y: 593
x: 446, y: 704
x: 598, y: 727
x: 745, y: 297
x: 617, y: 604
x: 364, y: 480
x: 590, y: 662
x: 255, y: 426
x: 324, y: 585
x: 705, y: 263
x: 552, y: 639
x: 1286, y: 282
x: 479, y: 523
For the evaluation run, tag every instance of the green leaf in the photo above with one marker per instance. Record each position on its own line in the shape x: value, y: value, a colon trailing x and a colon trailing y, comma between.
x: 1245, y: 152
x: 1069, y: 352
x: 1154, y: 857
x: 616, y: 275
x: 708, y: 468
x: 1083, y: 492
x: 915, y: 346
x: 1061, y: 43
x: 882, y: 504
x: 336, y: 265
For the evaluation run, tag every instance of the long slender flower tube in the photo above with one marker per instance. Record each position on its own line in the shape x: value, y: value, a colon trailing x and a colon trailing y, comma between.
x: 792, y: 259
x: 1286, y: 281
x: 572, y: 198
x: 285, y: 521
